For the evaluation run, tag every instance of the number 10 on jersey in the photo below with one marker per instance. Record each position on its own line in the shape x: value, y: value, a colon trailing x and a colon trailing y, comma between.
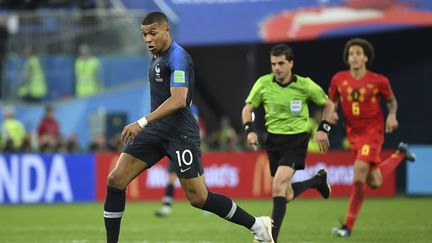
x: 186, y: 157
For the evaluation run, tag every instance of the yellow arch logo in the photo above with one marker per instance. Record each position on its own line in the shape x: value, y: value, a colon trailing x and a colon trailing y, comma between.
x: 262, y: 181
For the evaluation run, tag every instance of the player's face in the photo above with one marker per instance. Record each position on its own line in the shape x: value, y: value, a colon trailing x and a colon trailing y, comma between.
x: 356, y: 57
x: 281, y: 67
x: 156, y: 37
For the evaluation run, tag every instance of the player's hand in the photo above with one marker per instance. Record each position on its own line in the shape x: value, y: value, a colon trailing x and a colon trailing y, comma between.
x: 391, y: 123
x: 130, y: 132
x: 252, y: 139
x: 322, y: 139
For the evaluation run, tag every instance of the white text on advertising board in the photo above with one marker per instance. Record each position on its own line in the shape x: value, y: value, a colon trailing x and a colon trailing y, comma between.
x: 216, y: 176
x: 27, y: 179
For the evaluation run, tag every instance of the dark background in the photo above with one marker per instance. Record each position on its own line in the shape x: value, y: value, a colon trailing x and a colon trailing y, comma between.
x: 225, y: 75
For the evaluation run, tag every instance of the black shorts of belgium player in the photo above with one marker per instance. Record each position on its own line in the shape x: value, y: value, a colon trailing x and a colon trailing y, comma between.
x: 183, y: 155
x: 287, y: 150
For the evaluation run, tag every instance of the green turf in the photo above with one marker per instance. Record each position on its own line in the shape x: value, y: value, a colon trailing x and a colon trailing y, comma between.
x: 381, y: 220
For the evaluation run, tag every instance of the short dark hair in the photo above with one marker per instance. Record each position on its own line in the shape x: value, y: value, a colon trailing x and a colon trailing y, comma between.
x: 155, y: 17
x: 283, y: 49
x: 367, y: 49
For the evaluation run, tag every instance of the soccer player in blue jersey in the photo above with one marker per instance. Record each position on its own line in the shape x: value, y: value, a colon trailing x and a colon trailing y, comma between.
x: 169, y: 130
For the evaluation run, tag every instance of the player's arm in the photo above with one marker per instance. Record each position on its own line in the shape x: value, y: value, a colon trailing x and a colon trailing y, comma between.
x: 175, y: 102
x: 321, y: 137
x: 253, y: 100
x: 334, y: 118
x: 391, y: 121
x: 328, y: 110
x: 334, y: 96
x: 252, y: 137
x: 319, y: 97
x: 387, y: 93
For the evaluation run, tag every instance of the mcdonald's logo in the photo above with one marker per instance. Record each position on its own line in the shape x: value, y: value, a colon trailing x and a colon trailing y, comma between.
x: 262, y: 181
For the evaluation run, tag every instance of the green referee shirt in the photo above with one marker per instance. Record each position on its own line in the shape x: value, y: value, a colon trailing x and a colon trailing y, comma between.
x: 286, y: 110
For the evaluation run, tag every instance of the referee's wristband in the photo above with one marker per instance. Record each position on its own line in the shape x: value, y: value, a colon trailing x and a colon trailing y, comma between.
x: 248, y: 127
x: 142, y: 122
x: 324, y: 126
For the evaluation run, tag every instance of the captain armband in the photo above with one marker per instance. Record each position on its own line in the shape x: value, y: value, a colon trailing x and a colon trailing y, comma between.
x: 324, y: 126
x: 248, y: 128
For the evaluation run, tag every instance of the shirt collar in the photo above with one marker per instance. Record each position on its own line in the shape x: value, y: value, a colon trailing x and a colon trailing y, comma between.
x: 293, y: 80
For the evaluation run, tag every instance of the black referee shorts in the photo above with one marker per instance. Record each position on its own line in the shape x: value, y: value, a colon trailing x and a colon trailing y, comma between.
x: 184, y: 155
x: 287, y: 150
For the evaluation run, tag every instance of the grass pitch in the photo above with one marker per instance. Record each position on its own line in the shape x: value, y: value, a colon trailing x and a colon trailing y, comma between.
x: 381, y: 220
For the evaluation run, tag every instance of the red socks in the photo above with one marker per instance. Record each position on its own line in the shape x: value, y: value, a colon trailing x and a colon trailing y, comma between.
x: 358, y: 188
x: 388, y: 165
x: 356, y: 201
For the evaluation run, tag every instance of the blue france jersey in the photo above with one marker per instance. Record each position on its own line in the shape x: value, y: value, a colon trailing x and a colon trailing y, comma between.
x: 173, y: 68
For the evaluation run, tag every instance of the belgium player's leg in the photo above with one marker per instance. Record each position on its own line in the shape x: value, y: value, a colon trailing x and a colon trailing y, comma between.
x: 367, y: 153
x: 381, y: 170
x: 361, y: 171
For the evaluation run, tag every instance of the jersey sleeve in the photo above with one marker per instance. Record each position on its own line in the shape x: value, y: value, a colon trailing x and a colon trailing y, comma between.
x: 180, y: 69
x: 316, y: 93
x: 333, y: 89
x: 255, y: 95
x: 385, y: 88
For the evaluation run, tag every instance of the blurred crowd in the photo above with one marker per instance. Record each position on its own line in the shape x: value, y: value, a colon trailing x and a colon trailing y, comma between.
x: 33, y: 86
x: 47, y: 137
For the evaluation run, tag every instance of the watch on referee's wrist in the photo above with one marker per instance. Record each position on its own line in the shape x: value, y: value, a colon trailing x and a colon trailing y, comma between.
x: 324, y: 126
x: 248, y: 128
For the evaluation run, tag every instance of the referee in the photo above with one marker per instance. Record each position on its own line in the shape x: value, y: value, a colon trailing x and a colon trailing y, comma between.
x: 285, y: 96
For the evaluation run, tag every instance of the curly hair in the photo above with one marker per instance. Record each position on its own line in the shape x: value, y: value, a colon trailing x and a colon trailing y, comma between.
x: 367, y: 49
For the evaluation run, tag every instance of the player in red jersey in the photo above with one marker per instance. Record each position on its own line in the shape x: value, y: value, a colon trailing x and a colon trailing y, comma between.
x: 359, y: 92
